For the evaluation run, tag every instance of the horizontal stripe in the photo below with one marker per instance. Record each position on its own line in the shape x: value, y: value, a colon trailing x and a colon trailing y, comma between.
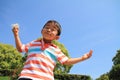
x: 41, y: 61
x: 34, y: 50
x: 35, y: 77
x: 55, y: 48
x: 35, y: 64
x: 23, y: 48
x: 37, y: 74
x: 63, y: 60
x: 51, y: 55
x: 35, y: 45
x: 62, y: 57
x: 39, y: 70
x: 36, y: 42
x: 41, y: 57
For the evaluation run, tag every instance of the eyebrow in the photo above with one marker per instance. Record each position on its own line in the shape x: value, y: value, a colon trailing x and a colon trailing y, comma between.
x: 54, y: 26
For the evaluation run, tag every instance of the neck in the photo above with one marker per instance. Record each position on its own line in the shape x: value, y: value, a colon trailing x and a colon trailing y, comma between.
x: 47, y: 41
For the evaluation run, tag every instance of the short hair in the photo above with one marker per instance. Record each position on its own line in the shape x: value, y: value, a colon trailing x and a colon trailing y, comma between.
x: 56, y: 23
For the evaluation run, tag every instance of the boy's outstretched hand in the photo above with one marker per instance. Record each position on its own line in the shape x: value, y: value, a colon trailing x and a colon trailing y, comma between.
x: 15, y: 29
x: 87, y: 55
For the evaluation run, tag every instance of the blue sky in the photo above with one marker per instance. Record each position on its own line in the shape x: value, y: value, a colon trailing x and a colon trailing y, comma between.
x: 86, y: 24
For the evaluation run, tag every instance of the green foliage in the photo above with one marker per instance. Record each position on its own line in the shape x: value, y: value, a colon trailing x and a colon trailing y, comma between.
x: 10, y: 59
x: 114, y: 73
x: 116, y: 59
x: 4, y: 78
x: 62, y: 47
x: 59, y: 67
x: 17, y: 70
x: 71, y: 77
x: 103, y: 77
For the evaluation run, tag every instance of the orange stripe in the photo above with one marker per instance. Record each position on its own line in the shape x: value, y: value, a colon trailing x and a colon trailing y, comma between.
x: 57, y: 52
x: 36, y: 76
x: 35, y: 45
x: 60, y: 58
x: 39, y: 63
x: 38, y: 69
x: 44, y: 57
x: 26, y: 49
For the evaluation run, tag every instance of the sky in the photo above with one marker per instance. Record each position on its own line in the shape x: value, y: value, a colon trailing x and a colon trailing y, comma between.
x: 86, y: 24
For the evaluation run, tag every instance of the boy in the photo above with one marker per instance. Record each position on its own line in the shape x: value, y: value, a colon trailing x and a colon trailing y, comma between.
x: 42, y: 54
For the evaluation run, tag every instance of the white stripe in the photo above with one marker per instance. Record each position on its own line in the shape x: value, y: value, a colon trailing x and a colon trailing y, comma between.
x: 51, y: 65
x: 36, y: 42
x: 41, y: 60
x: 60, y: 55
x: 33, y: 58
x: 33, y: 47
x: 63, y: 60
x: 34, y: 52
x: 35, y: 66
x: 23, y: 48
x: 37, y: 73
x: 55, y: 49
x: 32, y: 65
x: 53, y: 53
x: 31, y: 78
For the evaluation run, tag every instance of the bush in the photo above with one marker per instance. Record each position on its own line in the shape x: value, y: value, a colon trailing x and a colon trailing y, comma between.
x: 10, y: 59
x: 71, y: 77
x: 4, y: 78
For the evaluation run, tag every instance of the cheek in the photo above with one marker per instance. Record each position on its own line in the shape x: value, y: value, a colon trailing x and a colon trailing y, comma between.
x: 55, y: 33
x: 42, y: 32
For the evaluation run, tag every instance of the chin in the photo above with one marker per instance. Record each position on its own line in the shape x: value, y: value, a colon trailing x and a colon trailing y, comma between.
x: 48, y: 39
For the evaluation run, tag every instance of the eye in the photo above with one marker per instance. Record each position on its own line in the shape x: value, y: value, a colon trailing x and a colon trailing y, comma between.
x: 53, y: 29
x: 46, y: 27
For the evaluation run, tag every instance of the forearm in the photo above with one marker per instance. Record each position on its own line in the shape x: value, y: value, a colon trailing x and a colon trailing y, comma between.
x: 15, y: 30
x: 18, y: 42
x: 74, y: 60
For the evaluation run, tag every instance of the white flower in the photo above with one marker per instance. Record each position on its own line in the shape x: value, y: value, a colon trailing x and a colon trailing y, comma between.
x: 16, y: 25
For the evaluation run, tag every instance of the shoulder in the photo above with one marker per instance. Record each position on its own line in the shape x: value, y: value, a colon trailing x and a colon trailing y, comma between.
x: 55, y: 48
x: 34, y: 42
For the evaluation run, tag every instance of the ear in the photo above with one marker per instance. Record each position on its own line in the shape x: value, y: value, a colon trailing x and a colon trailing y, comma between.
x: 57, y: 37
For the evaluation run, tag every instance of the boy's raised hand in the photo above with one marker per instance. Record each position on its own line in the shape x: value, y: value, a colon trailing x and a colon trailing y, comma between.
x: 15, y: 29
x: 87, y: 55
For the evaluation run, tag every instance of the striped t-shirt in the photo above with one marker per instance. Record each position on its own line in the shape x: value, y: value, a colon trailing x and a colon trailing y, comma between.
x: 41, y: 60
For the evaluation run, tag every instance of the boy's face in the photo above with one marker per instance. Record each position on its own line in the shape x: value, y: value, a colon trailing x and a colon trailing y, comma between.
x: 50, y: 31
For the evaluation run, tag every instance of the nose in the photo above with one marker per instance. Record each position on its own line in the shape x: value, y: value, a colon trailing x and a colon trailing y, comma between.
x: 48, y: 29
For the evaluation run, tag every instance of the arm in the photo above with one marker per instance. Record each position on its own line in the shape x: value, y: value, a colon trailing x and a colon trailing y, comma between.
x: 17, y: 38
x: 79, y: 59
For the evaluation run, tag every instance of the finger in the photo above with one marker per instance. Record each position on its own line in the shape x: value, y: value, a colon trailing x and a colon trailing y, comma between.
x: 15, y: 25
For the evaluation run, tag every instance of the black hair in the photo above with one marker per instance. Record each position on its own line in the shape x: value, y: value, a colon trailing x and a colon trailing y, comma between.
x: 56, y: 23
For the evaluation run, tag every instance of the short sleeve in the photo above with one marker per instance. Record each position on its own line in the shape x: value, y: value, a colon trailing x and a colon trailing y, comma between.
x: 25, y: 47
x: 61, y: 57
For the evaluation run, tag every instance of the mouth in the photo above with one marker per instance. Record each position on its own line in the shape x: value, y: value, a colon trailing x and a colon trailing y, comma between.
x: 48, y: 34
